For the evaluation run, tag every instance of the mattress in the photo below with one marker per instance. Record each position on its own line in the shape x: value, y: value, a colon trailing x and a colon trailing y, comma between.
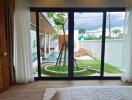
x: 89, y: 93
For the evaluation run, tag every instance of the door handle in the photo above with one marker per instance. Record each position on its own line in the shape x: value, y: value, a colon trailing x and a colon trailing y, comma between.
x: 3, y: 54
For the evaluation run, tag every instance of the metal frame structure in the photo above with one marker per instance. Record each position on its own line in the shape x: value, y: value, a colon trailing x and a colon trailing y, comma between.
x: 71, y: 12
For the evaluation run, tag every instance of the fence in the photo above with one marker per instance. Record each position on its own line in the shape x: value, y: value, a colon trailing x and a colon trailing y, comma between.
x: 113, y: 50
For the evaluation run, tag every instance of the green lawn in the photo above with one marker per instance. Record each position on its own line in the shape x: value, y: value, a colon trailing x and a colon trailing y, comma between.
x: 94, y: 64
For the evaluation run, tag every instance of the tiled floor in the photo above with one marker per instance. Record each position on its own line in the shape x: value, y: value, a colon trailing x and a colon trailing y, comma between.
x: 34, y: 91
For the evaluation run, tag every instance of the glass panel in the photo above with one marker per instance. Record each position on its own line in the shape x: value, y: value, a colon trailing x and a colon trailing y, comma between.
x: 33, y: 43
x: 53, y: 39
x: 114, y: 43
x: 87, y: 44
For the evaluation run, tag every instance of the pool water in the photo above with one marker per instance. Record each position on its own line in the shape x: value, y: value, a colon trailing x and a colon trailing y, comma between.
x: 54, y: 55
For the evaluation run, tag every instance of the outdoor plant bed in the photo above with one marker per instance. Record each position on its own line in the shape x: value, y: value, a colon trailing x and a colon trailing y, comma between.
x: 86, y: 68
x: 63, y: 71
x: 55, y: 70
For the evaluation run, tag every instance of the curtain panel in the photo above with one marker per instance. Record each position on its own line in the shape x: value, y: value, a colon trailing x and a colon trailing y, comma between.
x: 22, y: 42
x: 9, y: 30
x: 127, y: 58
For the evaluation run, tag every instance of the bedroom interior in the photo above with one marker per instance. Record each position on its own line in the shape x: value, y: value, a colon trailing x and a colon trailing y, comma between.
x: 65, y: 50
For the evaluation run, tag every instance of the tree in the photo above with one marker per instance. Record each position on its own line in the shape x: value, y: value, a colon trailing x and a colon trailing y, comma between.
x: 56, y: 32
x: 116, y: 31
x: 81, y: 30
x: 59, y: 20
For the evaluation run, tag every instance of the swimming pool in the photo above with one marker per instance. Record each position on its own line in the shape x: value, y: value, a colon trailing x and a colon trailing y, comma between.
x: 52, y: 56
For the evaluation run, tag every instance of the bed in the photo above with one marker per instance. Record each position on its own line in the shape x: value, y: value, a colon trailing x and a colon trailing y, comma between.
x: 89, y: 93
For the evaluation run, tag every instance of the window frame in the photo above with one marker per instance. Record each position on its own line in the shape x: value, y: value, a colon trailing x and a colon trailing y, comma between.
x: 71, y: 12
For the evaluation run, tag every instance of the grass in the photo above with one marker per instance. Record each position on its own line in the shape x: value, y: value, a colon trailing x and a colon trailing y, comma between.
x: 94, y: 64
x: 60, y: 68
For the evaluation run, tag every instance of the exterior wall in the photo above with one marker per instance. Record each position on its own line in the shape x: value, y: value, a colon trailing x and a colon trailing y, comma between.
x: 113, y: 50
x: 79, y: 3
x: 45, y: 27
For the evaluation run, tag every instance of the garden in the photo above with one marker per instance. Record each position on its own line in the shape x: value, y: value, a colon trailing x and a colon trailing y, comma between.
x: 86, y: 68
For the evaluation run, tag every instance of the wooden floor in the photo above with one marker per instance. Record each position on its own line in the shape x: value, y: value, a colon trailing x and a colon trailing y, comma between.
x: 34, y: 91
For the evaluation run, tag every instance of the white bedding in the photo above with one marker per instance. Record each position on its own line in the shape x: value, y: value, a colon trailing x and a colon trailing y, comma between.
x: 93, y: 93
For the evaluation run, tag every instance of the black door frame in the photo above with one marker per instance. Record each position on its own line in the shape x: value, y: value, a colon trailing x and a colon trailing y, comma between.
x: 70, y: 12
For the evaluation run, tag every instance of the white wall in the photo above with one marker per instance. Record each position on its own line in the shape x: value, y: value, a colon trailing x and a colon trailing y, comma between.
x: 113, y: 50
x: 79, y: 3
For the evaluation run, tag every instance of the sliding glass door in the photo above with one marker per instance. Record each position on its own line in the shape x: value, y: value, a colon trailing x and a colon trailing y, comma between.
x: 53, y: 44
x: 34, y: 43
x: 114, y: 43
x: 87, y: 43
x: 69, y: 43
